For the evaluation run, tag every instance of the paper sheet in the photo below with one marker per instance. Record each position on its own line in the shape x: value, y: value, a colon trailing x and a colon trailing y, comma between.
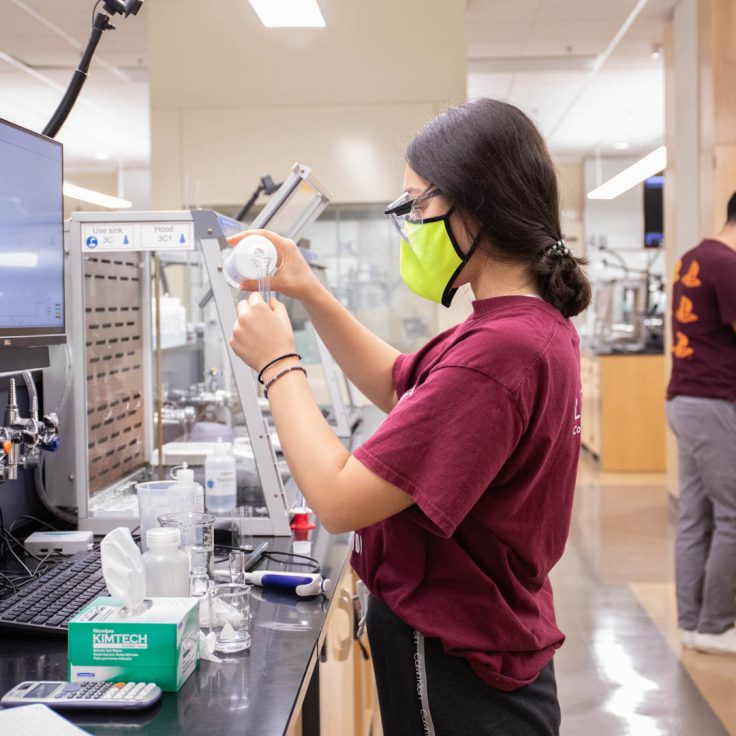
x: 31, y: 720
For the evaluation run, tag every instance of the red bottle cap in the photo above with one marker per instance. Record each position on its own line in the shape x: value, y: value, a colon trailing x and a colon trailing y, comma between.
x: 301, y: 521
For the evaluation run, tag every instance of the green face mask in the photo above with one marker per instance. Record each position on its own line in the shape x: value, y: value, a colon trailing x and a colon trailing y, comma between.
x: 433, y: 261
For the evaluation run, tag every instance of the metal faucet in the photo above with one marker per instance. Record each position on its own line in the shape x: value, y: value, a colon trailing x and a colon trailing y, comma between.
x: 22, y: 439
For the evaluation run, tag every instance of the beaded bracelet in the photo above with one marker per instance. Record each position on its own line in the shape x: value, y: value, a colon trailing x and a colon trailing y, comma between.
x: 273, y: 362
x: 281, y: 374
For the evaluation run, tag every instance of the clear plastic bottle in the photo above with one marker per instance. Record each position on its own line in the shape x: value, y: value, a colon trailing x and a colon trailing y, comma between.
x: 166, y: 565
x: 220, y: 479
x: 185, y: 484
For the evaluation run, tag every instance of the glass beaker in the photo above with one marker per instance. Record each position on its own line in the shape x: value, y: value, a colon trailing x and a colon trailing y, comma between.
x: 230, y: 617
x: 197, y: 533
x: 154, y: 499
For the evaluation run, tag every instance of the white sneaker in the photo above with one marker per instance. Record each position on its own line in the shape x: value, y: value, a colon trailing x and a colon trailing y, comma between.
x: 724, y: 643
x: 687, y: 638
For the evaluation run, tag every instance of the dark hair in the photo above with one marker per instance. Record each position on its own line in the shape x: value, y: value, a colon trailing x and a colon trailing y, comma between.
x: 731, y: 209
x: 491, y: 162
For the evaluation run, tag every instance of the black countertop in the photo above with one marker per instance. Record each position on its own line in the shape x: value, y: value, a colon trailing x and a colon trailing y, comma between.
x: 256, y: 693
x: 253, y: 693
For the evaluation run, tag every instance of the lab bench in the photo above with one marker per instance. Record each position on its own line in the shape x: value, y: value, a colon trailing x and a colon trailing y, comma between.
x: 304, y: 673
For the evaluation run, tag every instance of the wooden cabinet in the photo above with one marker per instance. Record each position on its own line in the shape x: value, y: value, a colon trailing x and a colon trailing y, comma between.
x: 347, y: 687
x: 336, y: 666
x: 348, y: 703
x: 591, y: 419
x: 623, y: 422
x: 367, y: 713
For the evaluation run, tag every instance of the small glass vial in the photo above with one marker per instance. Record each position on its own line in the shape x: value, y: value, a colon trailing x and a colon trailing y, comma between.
x: 253, y: 258
x: 199, y: 582
x: 166, y: 565
x: 237, y: 567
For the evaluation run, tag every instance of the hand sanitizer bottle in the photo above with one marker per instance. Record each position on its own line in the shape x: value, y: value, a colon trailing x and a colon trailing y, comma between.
x: 220, y: 479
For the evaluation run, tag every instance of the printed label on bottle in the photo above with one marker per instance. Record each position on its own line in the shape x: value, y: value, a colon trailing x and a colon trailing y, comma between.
x: 222, y: 484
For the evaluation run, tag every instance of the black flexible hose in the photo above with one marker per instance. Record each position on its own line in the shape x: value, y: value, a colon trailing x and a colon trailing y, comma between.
x: 247, y: 206
x: 101, y: 23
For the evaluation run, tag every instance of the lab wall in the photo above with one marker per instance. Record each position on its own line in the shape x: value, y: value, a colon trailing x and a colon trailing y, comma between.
x: 232, y: 100
x: 221, y: 154
x: 571, y: 178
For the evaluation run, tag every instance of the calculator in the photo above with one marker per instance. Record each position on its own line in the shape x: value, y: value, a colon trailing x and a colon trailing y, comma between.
x: 98, y: 695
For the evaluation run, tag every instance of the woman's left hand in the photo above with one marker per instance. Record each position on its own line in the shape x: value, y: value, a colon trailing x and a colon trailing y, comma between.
x: 262, y: 332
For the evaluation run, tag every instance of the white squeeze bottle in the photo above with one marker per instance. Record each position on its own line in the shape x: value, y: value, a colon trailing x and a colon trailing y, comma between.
x: 254, y: 258
x: 185, y: 485
x: 166, y: 565
x: 220, y: 480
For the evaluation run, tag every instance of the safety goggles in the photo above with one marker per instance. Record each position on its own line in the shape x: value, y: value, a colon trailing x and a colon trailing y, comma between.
x: 407, y: 212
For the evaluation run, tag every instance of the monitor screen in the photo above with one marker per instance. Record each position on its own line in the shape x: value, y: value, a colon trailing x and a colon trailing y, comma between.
x: 653, y: 211
x: 31, y: 238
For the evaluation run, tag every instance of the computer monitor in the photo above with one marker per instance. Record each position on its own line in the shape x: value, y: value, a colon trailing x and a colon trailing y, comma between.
x: 654, y: 211
x: 31, y: 239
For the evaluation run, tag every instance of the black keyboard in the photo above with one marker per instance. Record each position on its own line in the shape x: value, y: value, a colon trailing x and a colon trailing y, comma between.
x: 46, y: 604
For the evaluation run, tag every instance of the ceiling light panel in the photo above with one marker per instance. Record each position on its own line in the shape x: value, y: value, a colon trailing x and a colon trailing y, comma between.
x: 289, y: 13
x: 648, y: 166
x: 93, y: 197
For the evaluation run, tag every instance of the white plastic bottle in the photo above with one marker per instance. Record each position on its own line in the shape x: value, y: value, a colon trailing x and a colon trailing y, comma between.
x: 189, y: 490
x: 252, y: 258
x: 166, y: 565
x: 220, y: 479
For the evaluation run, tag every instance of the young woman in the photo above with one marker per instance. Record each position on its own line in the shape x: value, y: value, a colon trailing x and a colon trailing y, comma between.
x: 461, y: 501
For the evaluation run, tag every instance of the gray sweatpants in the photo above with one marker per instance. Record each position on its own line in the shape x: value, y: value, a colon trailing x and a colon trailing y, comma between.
x: 705, y: 544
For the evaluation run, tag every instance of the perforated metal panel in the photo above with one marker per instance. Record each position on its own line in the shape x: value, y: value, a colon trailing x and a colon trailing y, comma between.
x: 108, y: 427
x: 114, y: 367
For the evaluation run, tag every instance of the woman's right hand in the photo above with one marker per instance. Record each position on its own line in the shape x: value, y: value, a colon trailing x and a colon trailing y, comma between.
x: 293, y: 276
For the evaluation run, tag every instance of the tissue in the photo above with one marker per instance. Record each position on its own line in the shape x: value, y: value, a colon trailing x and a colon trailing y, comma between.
x: 220, y: 613
x: 207, y: 644
x: 122, y: 568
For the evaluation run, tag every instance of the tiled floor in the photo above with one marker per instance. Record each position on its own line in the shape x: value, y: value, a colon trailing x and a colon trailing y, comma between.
x: 621, y: 671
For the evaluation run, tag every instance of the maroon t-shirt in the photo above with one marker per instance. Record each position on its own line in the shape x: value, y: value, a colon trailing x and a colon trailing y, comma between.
x: 485, y: 438
x: 703, y: 310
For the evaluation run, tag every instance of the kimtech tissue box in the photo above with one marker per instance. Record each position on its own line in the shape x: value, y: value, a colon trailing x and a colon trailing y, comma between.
x: 160, y: 644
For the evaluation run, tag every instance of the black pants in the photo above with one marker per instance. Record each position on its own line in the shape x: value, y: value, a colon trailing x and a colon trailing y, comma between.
x: 423, y: 691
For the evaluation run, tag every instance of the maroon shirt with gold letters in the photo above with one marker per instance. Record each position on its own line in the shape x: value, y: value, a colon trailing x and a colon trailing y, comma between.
x: 703, y: 311
x: 485, y: 437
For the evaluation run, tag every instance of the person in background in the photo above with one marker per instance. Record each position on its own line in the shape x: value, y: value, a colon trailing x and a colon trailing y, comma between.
x: 701, y: 410
x: 461, y: 501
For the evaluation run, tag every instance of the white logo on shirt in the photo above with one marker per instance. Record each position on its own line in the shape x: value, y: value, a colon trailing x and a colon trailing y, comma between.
x: 357, y: 543
x: 578, y: 412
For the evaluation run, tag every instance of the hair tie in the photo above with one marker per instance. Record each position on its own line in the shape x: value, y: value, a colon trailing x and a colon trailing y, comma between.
x: 558, y: 249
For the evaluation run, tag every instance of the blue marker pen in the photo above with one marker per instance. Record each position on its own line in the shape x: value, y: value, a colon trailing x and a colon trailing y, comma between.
x: 303, y: 584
